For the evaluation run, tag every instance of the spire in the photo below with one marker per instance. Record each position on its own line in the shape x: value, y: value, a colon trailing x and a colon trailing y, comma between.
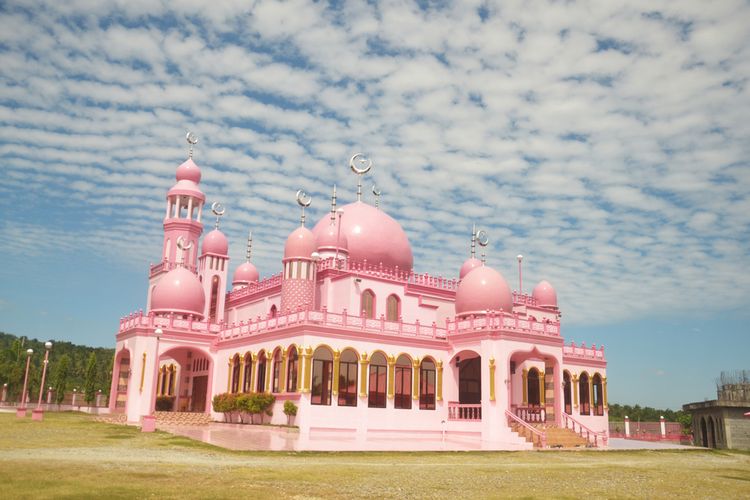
x: 376, y: 192
x: 191, y: 139
x: 482, y: 238
x: 333, y: 205
x: 218, y: 210
x: 360, y: 165
x: 249, y: 251
x: 304, y: 200
x: 473, y: 240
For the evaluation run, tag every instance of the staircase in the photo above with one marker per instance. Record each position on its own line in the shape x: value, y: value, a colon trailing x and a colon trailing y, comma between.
x: 556, y: 437
x: 182, y: 418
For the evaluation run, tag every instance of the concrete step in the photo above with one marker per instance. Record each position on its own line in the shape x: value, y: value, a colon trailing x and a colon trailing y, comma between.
x: 556, y: 437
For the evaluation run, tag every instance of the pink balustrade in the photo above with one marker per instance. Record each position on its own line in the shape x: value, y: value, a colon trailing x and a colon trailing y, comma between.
x: 524, y: 299
x: 138, y: 319
x: 253, y: 288
x: 165, y: 266
x: 379, y: 271
x: 506, y: 321
x: 538, y: 436
x: 458, y: 411
x: 531, y: 413
x: 593, y: 437
x: 583, y: 352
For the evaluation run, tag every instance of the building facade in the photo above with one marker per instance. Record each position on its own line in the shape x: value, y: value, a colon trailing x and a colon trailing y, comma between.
x: 353, y: 336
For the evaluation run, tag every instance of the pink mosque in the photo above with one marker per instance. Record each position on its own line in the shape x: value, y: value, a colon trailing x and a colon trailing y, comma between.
x: 362, y: 344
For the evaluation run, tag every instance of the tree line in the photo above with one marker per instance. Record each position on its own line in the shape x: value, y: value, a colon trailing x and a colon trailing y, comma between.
x: 71, y: 366
x: 637, y: 413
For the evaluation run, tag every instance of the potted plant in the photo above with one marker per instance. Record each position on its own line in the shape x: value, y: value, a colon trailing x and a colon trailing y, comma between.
x: 290, y: 410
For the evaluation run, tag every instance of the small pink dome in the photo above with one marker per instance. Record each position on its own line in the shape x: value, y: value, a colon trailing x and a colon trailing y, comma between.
x: 179, y: 291
x: 186, y: 187
x: 246, y: 273
x: 545, y: 295
x: 188, y: 171
x: 300, y: 244
x: 372, y: 235
x: 328, y: 239
x: 483, y: 289
x: 215, y: 242
x: 467, y: 266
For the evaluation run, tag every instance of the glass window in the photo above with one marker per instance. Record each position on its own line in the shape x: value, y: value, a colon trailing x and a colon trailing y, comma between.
x: 583, y: 394
x: 277, y: 362
x: 403, y: 383
x: 261, y: 386
x: 427, y: 385
x: 291, y: 370
x: 322, y: 377
x: 248, y: 375
x: 348, y: 378
x: 368, y: 304
x: 236, y: 373
x: 378, y: 380
x: 598, y: 402
x: 532, y: 387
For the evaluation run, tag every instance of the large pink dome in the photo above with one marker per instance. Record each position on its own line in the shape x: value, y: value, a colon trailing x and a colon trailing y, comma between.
x: 372, y: 235
x: 300, y: 244
x: 329, y: 238
x: 215, y: 242
x: 180, y: 292
x: 482, y: 290
x: 188, y: 171
x: 468, y: 266
x: 545, y: 295
x: 246, y: 273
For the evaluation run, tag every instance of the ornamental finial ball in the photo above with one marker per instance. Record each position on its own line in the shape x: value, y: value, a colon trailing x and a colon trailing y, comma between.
x: 48, y: 345
x: 519, y: 257
x: 29, y: 352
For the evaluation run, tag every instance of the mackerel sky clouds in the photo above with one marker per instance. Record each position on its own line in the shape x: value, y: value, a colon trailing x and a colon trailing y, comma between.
x: 605, y: 141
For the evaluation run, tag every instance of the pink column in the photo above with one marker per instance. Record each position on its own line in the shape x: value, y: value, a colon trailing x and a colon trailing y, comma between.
x: 663, y: 427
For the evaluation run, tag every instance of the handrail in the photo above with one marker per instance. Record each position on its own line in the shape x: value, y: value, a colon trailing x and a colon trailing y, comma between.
x: 541, y: 435
x: 582, y: 428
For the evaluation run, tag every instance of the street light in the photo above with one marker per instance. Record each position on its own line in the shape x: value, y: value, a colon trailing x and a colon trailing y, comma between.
x: 38, y: 413
x: 21, y: 411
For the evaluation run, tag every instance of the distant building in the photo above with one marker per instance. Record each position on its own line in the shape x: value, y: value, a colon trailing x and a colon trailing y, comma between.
x: 721, y: 423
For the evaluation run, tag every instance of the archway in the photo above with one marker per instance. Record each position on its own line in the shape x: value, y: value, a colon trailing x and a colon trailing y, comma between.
x: 534, y: 385
x: 704, y: 432
x: 568, y: 406
x: 532, y: 388
x: 712, y: 432
x: 468, y: 369
x: 191, y: 387
x: 118, y: 394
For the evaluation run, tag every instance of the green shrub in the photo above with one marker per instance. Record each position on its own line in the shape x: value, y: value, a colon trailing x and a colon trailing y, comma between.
x: 224, y: 403
x: 290, y: 410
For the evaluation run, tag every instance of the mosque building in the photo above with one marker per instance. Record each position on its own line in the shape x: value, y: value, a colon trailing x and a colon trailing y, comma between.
x: 361, y: 343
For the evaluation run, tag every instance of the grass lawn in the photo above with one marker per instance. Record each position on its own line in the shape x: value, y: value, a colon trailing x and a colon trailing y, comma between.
x: 69, y: 456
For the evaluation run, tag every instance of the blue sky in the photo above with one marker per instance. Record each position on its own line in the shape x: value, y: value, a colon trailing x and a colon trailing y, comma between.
x: 605, y: 141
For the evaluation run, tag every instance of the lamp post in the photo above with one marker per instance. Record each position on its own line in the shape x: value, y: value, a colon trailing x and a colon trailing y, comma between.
x: 38, y: 413
x: 149, y: 421
x: 21, y: 411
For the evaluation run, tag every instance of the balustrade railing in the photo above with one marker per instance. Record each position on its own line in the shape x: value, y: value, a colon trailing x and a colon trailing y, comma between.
x: 138, y: 319
x: 591, y: 436
x: 501, y: 320
x: 166, y: 266
x: 253, y: 288
x: 531, y: 413
x: 458, y: 411
x: 583, y: 352
x: 537, y: 436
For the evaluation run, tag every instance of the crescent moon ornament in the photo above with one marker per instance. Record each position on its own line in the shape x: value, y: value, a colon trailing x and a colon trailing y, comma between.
x: 218, y: 209
x: 482, y: 238
x: 303, y: 198
x: 360, y: 164
x: 375, y: 190
x: 182, y: 245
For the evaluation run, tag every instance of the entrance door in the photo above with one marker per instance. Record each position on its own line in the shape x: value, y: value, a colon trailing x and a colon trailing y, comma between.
x: 470, y: 381
x: 200, y: 385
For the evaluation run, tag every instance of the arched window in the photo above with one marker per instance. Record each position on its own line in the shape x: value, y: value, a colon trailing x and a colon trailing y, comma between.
x: 277, y: 362
x: 247, y: 375
x: 427, y: 385
x: 235, y: 373
x: 162, y: 380
x: 291, y: 370
x: 322, y: 376
x: 262, y: 360
x: 368, y: 304
x: 272, y: 313
x: 583, y: 394
x: 568, y: 408
x: 597, y: 402
x: 170, y: 381
x: 378, y: 381
x: 533, y: 387
x: 403, y: 383
x: 392, y: 308
x: 348, y: 378
x: 213, y: 304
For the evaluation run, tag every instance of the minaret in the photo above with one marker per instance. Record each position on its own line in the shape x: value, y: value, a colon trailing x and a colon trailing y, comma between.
x: 182, y: 219
x: 213, y: 267
x: 300, y: 259
x: 183, y: 211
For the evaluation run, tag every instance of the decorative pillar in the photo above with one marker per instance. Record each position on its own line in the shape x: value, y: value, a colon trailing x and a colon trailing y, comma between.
x: 336, y: 368
x: 241, y: 385
x: 300, y: 369
x: 282, y: 372
x: 604, y: 393
x: 542, y: 398
x: 574, y: 383
x: 591, y: 396
x: 308, y: 368
x: 525, y: 388
x: 143, y: 372
x: 269, y: 363
x: 253, y: 367
x: 229, y: 374
x: 363, y: 363
x: 391, y: 376
x: 492, y: 379
x: 415, y: 377
x: 439, y: 390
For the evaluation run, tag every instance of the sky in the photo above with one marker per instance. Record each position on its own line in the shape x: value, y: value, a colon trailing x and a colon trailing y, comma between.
x: 607, y: 142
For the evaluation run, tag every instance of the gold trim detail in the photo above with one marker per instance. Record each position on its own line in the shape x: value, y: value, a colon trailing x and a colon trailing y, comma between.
x: 336, y: 371
x: 492, y: 379
x: 363, y: 363
x: 439, y: 395
x: 391, y: 375
x: 542, y: 395
x: 525, y: 386
x: 143, y: 372
x: 415, y: 376
x: 308, y: 368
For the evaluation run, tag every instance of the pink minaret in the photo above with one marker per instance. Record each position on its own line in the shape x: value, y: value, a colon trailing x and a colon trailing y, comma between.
x: 213, y: 266
x: 298, y: 279
x: 182, y: 219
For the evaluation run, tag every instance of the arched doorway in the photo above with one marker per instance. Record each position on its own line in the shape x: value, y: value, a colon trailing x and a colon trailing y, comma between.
x: 469, y: 368
x: 712, y: 432
x: 568, y: 408
x: 704, y: 433
x: 118, y: 395
x: 191, y: 387
x: 534, y: 381
x: 532, y: 387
